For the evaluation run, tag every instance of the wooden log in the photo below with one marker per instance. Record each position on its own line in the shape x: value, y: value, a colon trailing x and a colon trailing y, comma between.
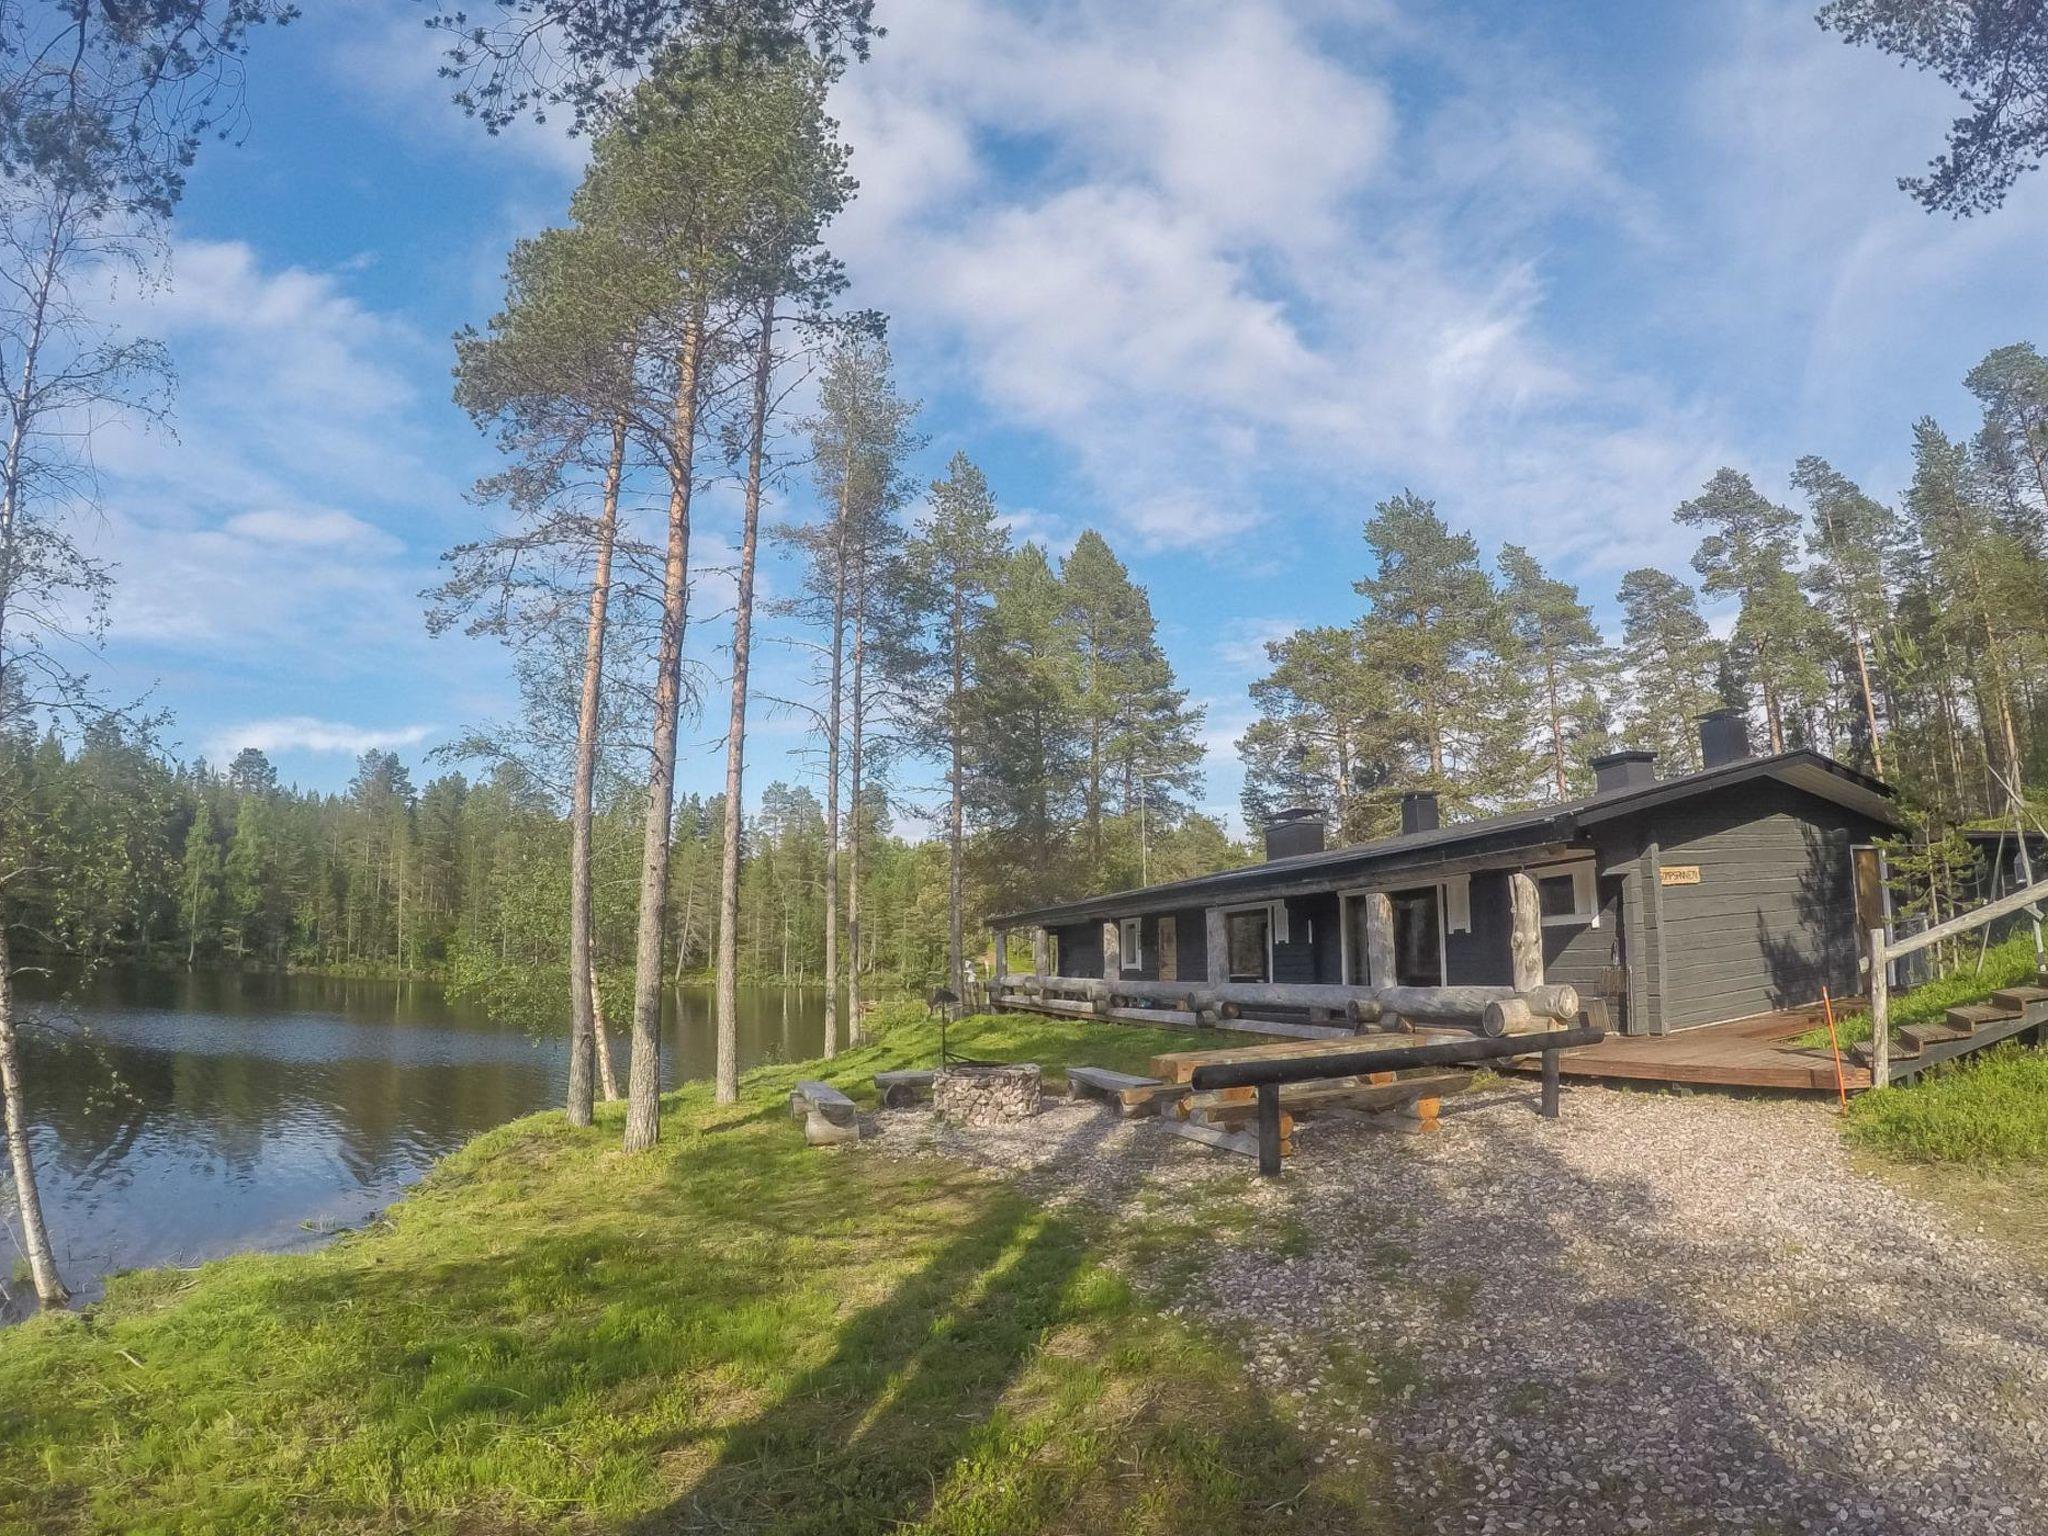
x: 1379, y: 939
x: 1041, y: 946
x: 1507, y: 1016
x: 899, y: 1090
x: 1216, y: 945
x: 1112, y: 948
x: 1222, y: 1106
x: 1525, y: 934
x: 1101, y: 1083
x: 1880, y: 1012
x: 1242, y: 1142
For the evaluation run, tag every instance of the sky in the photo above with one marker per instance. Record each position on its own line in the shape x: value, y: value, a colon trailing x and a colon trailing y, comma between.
x: 1211, y: 278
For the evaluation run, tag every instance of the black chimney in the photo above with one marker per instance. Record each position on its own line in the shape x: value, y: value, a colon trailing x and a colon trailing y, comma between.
x: 1724, y: 737
x: 1296, y: 830
x: 1629, y: 769
x: 1418, y: 811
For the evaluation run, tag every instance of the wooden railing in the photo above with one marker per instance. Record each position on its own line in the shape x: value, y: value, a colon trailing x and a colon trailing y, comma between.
x: 1884, y: 951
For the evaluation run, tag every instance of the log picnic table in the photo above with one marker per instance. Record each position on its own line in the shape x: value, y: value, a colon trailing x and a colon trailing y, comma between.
x: 1266, y: 1077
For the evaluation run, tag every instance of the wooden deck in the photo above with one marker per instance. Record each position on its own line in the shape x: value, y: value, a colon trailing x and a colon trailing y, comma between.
x: 1742, y: 1053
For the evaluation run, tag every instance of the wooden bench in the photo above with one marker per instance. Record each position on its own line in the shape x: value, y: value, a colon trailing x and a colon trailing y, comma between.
x: 829, y: 1116
x: 900, y: 1090
x: 1125, y: 1092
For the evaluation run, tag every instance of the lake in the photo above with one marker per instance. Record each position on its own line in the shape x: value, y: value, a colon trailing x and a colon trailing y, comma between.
x: 180, y: 1116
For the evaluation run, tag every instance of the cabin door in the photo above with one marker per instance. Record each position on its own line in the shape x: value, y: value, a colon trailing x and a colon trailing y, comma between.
x: 1418, y: 937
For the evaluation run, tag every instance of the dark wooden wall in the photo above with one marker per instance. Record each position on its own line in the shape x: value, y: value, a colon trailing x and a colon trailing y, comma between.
x: 1773, y: 917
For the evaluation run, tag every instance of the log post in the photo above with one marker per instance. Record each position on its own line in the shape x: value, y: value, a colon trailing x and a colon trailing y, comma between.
x: 1550, y: 1085
x: 1002, y: 962
x: 1112, y: 949
x: 1216, y: 945
x: 1269, y: 1130
x: 1379, y: 939
x: 1880, y: 1013
x: 1039, y: 945
x: 1525, y: 936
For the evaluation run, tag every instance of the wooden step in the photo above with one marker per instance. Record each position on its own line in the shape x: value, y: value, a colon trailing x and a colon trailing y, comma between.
x: 2019, y: 999
x: 1924, y: 1035
x: 1974, y: 1016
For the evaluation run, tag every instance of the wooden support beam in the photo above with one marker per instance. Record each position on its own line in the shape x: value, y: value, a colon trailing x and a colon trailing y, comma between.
x: 1525, y: 935
x: 1041, y: 943
x: 1880, y: 1012
x: 1216, y: 945
x: 1112, y: 949
x: 1379, y: 939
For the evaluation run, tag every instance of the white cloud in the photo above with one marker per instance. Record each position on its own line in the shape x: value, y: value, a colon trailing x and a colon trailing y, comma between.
x: 311, y: 529
x: 304, y: 733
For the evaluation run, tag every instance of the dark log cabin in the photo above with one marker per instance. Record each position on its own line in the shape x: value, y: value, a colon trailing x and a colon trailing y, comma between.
x: 1666, y: 902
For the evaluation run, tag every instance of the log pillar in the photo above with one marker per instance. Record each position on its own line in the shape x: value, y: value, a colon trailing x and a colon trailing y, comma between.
x: 1002, y: 962
x: 1216, y: 946
x: 1379, y: 939
x: 1039, y: 946
x: 1525, y: 933
x: 1112, y: 949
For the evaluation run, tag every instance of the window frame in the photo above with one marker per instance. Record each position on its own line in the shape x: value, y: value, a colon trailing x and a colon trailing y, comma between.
x: 1131, y: 944
x: 1245, y: 909
x: 1584, y: 875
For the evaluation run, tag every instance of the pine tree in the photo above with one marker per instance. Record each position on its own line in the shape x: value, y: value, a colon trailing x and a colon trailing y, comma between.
x: 200, y: 882
x: 1024, y: 776
x: 1324, y: 737
x: 1848, y: 541
x: 953, y: 560
x: 1670, y: 658
x: 1437, y: 630
x: 1567, y: 664
x: 1750, y: 552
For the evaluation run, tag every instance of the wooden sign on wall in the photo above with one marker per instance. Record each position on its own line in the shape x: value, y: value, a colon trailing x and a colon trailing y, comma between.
x: 1679, y: 874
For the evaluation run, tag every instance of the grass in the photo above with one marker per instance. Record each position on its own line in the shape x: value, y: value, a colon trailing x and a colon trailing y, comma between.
x: 731, y: 1333
x: 2010, y: 964
x: 1990, y: 1111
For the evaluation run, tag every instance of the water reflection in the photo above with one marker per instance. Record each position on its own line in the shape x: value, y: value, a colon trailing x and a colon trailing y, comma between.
x: 179, y: 1116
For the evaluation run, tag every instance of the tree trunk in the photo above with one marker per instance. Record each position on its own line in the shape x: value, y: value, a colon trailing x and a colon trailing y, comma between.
x: 582, y: 978
x: 954, y: 817
x: 42, y: 1264
x: 1869, y: 699
x: 1556, y: 727
x: 727, y: 1089
x: 859, y: 713
x: 643, y: 1078
x: 601, y: 1045
x: 832, y: 725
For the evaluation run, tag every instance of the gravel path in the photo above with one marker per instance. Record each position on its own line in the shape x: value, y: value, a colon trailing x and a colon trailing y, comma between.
x: 1655, y: 1314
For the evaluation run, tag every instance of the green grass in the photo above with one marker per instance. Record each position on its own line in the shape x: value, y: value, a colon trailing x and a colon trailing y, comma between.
x: 731, y: 1333
x: 2010, y: 964
x: 1990, y: 1111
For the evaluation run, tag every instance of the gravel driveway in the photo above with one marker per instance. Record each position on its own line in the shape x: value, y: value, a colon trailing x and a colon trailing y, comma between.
x: 1656, y: 1314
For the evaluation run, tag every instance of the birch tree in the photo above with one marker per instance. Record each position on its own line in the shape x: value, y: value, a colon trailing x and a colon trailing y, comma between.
x: 102, y: 110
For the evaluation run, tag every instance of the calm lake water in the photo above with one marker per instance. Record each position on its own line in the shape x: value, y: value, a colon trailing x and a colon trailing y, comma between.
x: 180, y: 1116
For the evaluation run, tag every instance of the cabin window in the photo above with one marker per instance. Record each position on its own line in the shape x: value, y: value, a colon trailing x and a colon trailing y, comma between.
x: 1566, y: 896
x: 1133, y: 944
x: 1251, y: 953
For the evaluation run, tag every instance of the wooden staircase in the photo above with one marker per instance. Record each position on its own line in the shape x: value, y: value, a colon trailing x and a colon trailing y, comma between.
x: 1971, y: 1027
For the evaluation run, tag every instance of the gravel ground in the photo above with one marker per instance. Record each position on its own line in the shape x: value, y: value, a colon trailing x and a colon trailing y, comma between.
x: 1656, y: 1314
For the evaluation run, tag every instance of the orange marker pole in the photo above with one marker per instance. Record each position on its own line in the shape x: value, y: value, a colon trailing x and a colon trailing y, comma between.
x: 1828, y: 1006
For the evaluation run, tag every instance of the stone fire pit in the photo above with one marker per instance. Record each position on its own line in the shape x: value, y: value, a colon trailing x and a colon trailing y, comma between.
x: 986, y: 1095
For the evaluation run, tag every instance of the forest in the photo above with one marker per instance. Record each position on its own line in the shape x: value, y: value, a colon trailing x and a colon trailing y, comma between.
x: 1908, y: 639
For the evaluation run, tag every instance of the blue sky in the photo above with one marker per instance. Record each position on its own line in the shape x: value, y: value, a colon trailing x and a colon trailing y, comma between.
x: 1211, y: 278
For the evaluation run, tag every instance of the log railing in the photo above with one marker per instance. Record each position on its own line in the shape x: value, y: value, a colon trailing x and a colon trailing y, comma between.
x: 1883, y: 951
x: 1480, y: 1010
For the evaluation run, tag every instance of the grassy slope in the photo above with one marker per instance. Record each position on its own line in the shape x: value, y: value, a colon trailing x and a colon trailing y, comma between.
x: 734, y: 1332
x: 2010, y: 964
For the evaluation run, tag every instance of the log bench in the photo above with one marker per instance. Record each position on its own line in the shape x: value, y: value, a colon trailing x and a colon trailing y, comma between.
x: 1125, y: 1092
x: 900, y: 1090
x: 829, y: 1116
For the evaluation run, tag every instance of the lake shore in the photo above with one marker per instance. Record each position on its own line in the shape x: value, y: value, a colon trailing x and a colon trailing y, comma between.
x: 734, y: 1330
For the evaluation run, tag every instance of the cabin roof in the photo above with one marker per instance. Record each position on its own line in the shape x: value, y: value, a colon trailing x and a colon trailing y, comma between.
x: 1556, y: 822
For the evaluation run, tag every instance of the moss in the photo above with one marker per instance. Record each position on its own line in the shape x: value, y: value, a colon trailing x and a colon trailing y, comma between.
x: 733, y: 1332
